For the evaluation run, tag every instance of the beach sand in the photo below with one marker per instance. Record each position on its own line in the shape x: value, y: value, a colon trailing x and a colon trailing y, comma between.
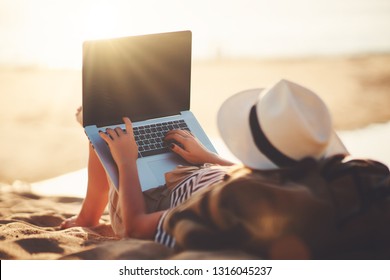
x: 40, y: 139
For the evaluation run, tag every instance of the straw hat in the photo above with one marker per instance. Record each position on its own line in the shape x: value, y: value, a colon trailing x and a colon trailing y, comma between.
x: 278, y: 126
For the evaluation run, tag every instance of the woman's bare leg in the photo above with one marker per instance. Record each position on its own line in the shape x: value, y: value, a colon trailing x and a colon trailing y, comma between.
x: 96, y: 198
x: 97, y: 190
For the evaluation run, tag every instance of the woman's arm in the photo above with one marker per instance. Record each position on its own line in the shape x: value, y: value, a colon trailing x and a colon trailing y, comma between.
x: 189, y: 148
x: 124, y: 150
x: 137, y: 223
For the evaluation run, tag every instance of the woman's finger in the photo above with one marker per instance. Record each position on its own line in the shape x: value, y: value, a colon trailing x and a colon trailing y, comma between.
x: 179, y: 150
x: 177, y: 131
x: 128, y: 124
x: 105, y: 137
x: 111, y: 133
x: 176, y: 137
x: 119, y: 131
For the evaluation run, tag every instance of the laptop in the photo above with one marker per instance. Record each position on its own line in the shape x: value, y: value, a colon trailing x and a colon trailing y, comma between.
x: 146, y: 78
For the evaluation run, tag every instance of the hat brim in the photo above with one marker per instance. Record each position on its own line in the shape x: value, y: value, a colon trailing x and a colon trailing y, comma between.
x: 336, y: 146
x: 234, y: 128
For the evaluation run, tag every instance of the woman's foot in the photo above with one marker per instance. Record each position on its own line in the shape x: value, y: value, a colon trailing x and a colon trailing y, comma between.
x: 79, y: 115
x: 70, y: 222
x: 76, y: 221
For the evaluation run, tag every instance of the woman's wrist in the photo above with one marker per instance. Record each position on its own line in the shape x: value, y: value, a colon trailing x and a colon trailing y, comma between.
x: 127, y: 164
x: 216, y: 159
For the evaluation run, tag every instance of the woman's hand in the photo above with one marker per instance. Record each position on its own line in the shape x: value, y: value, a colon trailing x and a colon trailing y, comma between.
x: 121, y: 143
x: 185, y: 144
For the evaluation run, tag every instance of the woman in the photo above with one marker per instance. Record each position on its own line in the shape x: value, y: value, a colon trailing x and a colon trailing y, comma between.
x: 264, y: 129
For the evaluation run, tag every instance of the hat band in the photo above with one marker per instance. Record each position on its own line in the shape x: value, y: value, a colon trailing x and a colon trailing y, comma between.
x: 264, y: 145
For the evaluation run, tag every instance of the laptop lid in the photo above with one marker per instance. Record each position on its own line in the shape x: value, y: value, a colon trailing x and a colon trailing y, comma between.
x: 142, y: 77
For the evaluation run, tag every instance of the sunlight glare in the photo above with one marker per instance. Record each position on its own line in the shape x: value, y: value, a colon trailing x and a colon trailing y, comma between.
x: 101, y: 21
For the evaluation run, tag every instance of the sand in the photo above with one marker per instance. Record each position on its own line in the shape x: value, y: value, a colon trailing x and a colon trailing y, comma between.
x: 40, y: 139
x: 29, y: 231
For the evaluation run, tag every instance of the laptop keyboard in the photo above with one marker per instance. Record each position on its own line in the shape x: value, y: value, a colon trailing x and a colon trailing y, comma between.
x: 150, y: 138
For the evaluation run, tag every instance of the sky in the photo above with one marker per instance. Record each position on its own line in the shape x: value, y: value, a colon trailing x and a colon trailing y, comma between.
x: 50, y: 32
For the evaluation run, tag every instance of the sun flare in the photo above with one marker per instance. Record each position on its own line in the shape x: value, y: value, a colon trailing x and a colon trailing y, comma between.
x: 101, y: 21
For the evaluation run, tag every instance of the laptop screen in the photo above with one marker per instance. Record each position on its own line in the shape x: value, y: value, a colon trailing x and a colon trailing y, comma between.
x: 141, y: 77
